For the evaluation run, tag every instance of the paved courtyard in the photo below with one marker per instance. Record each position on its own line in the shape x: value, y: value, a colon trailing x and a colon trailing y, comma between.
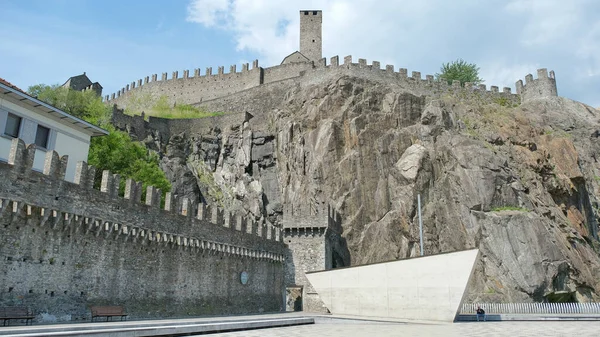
x: 512, y: 329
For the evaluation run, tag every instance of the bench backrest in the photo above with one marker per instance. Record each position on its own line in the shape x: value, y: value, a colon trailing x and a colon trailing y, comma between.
x: 15, y: 312
x: 107, y: 310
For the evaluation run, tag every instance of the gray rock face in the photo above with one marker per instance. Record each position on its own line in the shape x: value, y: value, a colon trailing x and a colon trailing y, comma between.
x: 519, y: 182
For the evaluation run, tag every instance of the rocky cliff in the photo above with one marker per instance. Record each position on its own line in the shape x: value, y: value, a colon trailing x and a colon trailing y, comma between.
x: 518, y: 181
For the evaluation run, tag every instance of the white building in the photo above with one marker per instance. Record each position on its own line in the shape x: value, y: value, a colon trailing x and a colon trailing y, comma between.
x: 36, y: 122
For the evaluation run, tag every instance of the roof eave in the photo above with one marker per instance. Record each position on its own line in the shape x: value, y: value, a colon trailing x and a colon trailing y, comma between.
x: 94, y: 130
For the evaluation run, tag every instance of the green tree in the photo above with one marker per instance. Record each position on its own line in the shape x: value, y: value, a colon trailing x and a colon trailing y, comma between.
x: 82, y: 104
x: 116, y: 151
x: 459, y: 70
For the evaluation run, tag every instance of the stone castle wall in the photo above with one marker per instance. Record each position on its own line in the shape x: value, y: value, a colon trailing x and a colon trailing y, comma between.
x: 269, y: 96
x: 285, y: 71
x: 187, y: 89
x: 140, y: 128
x: 414, y: 83
x: 66, y: 246
x: 200, y: 90
x: 543, y: 86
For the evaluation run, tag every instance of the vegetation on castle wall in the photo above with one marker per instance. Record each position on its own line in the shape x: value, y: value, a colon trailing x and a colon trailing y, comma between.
x: 459, y: 70
x: 116, y: 151
x: 161, y: 108
x: 81, y: 104
x: 207, y: 180
x: 510, y: 208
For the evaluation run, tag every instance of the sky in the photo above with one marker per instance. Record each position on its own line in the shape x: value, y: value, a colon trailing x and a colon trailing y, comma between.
x: 117, y: 42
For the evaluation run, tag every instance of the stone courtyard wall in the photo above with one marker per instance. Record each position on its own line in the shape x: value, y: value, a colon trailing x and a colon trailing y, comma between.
x: 67, y: 246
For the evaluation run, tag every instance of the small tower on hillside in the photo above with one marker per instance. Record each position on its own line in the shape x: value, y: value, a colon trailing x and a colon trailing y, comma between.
x: 311, y: 44
x: 83, y: 83
x: 543, y: 86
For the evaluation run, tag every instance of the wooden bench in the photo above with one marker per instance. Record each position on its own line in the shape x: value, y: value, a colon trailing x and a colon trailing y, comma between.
x: 108, y: 312
x: 8, y: 313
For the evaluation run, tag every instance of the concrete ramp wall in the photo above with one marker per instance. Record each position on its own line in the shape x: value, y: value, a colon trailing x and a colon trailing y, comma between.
x: 423, y: 288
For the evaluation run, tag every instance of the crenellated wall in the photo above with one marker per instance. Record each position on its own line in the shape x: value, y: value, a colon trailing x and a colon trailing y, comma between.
x: 66, y: 246
x: 188, y: 88
x: 285, y: 71
x: 199, y: 89
x: 543, y: 86
x: 139, y: 127
x: 415, y: 82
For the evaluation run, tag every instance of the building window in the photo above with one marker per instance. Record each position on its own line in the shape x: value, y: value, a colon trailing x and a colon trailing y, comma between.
x: 41, y: 136
x: 13, y: 124
x: 305, y: 13
x: 315, y: 13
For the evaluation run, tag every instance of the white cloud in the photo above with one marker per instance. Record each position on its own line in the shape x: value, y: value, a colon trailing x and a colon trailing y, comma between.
x: 547, y: 21
x: 348, y: 26
x: 589, y: 50
x: 506, y: 39
x: 209, y: 12
x: 505, y: 74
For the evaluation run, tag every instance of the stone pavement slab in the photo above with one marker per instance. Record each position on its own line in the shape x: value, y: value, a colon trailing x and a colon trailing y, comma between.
x: 325, y: 325
x: 157, y: 327
x: 509, y: 329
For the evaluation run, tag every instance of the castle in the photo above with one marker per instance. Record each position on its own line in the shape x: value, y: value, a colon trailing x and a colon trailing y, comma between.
x: 306, y: 232
x: 307, y: 63
x: 69, y: 245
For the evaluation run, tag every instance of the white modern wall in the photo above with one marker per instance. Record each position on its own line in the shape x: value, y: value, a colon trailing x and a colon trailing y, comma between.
x: 64, y: 139
x: 76, y: 150
x: 4, y: 147
x: 423, y: 288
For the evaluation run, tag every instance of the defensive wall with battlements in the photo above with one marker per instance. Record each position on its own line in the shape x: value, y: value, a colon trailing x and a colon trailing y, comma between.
x: 543, y: 86
x: 313, y: 237
x: 199, y: 89
x: 194, y: 89
x: 139, y: 128
x: 66, y: 246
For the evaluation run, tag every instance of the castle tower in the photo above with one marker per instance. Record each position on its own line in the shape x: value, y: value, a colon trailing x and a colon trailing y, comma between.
x: 308, y: 237
x: 543, y: 86
x: 311, y: 44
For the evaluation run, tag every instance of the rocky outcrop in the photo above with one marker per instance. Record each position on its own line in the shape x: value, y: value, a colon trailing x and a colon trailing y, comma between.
x: 520, y: 182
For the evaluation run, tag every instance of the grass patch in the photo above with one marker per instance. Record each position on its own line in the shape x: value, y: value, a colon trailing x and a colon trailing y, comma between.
x: 184, y: 111
x: 509, y: 208
x: 558, y: 133
x: 502, y: 101
x: 162, y: 108
x: 207, y: 180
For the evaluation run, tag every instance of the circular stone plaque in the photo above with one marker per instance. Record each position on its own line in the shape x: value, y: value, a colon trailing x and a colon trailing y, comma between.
x: 244, y: 277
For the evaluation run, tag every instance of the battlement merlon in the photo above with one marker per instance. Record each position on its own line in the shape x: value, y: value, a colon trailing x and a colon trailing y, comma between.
x: 310, y: 216
x: 543, y: 86
x: 105, y: 209
x: 175, y: 75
